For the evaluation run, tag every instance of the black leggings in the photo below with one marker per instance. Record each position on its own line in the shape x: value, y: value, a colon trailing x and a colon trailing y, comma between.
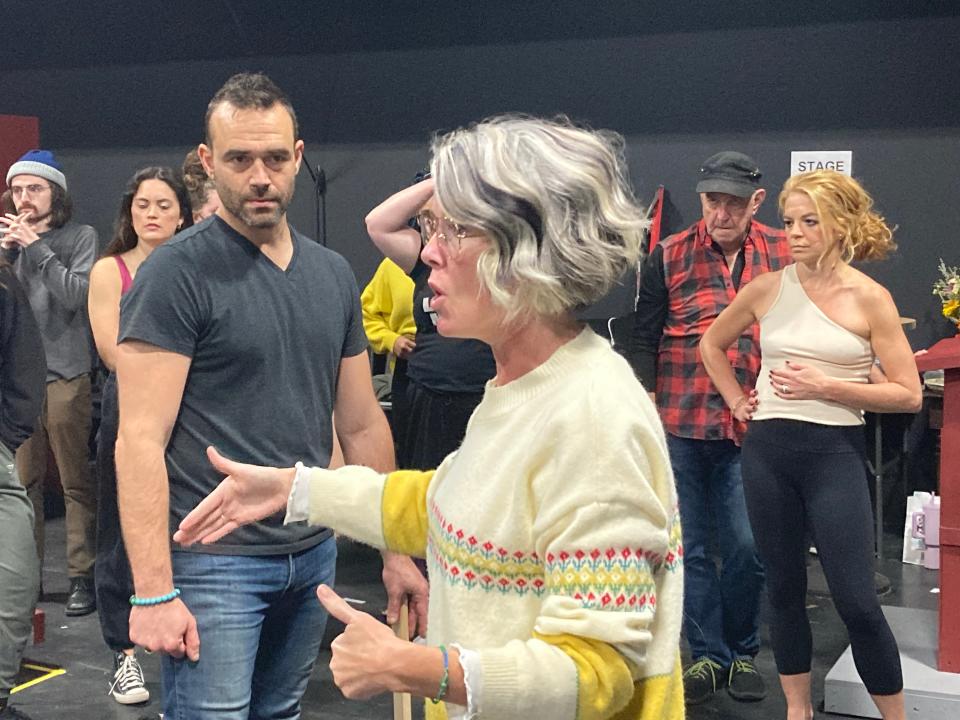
x: 114, y: 583
x: 795, y: 473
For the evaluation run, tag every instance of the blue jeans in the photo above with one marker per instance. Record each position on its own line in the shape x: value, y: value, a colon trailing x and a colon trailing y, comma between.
x: 260, y: 626
x: 721, y: 611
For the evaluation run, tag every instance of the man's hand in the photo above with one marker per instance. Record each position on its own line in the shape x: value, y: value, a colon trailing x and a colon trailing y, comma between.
x: 362, y: 654
x: 401, y: 578
x: 18, y: 230
x: 247, y: 494
x: 168, y: 628
x: 403, y: 345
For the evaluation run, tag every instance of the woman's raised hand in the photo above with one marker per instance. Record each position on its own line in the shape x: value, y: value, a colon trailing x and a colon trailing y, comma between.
x: 247, y: 494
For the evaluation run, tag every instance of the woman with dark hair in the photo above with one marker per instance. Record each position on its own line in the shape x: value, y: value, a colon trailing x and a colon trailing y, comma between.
x: 154, y: 207
x: 438, y: 381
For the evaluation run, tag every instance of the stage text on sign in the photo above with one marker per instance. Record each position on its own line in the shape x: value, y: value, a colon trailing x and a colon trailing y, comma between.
x: 802, y: 161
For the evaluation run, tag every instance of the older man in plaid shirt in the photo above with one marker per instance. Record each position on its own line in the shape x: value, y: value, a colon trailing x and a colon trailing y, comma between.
x: 687, y: 280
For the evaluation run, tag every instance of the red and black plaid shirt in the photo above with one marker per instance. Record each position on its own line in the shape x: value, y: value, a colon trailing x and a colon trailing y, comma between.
x: 686, y: 283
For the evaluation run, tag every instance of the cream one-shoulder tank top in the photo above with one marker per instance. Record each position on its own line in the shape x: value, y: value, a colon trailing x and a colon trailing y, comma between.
x: 795, y: 329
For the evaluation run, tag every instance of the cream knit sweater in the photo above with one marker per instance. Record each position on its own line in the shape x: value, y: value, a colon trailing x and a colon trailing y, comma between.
x: 552, y: 540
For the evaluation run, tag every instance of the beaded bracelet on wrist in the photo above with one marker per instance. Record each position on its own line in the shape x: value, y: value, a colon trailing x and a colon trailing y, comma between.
x: 444, y: 679
x: 159, y: 600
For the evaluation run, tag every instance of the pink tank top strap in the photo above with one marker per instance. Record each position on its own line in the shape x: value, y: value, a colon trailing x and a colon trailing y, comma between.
x: 126, y: 279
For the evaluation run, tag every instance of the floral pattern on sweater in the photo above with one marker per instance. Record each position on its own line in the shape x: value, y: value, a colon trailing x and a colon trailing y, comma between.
x: 474, y: 563
x: 600, y: 578
x: 673, y: 560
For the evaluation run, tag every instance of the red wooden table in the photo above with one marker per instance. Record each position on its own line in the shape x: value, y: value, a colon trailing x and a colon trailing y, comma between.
x: 946, y: 354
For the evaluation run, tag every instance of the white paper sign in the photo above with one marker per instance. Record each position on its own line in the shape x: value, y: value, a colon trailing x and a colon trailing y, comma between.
x: 802, y: 161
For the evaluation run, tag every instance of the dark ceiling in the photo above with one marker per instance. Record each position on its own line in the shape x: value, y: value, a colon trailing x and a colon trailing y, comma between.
x: 81, y: 33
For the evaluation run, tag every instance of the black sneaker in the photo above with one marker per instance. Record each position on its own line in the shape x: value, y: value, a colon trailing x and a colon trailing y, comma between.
x: 81, y: 600
x: 701, y: 680
x: 744, y: 682
x: 128, y: 687
x: 11, y: 713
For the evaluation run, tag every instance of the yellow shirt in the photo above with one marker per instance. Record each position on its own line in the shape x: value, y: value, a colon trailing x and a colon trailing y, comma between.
x: 387, y: 304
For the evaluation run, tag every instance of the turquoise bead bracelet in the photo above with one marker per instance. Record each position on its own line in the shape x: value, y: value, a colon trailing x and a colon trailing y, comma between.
x: 173, y: 595
x: 444, y: 679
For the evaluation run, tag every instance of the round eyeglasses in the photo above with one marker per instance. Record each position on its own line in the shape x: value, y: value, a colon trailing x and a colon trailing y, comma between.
x: 449, y: 234
x: 20, y: 190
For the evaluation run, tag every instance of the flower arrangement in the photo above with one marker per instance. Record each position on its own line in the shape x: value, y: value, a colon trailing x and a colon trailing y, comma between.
x: 947, y: 288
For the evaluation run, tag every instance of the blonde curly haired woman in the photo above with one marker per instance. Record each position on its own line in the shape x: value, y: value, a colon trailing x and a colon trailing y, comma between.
x: 823, y: 323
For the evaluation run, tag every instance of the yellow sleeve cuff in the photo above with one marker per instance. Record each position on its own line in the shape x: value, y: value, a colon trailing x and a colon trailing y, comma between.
x: 604, y: 680
x: 404, y: 507
x: 606, y: 688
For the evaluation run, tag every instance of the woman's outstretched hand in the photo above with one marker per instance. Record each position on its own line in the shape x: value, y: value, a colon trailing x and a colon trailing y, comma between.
x: 247, y: 494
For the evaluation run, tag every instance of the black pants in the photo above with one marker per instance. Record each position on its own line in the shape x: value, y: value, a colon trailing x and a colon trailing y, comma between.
x: 795, y: 473
x: 398, y: 403
x: 114, y: 581
x: 433, y: 425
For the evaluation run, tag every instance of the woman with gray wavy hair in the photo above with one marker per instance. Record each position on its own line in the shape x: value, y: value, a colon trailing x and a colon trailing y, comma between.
x: 554, y: 201
x: 551, y: 534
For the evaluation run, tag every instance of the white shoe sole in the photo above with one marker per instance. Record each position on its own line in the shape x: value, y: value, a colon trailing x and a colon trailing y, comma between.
x: 132, y: 698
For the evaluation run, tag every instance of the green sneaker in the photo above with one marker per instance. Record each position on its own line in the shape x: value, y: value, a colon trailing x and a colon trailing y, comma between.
x: 702, y: 679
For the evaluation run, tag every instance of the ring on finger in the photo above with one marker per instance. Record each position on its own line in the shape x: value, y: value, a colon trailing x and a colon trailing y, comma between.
x: 784, y: 389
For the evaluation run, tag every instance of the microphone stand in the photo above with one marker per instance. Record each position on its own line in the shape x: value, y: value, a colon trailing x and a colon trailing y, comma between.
x: 319, y: 178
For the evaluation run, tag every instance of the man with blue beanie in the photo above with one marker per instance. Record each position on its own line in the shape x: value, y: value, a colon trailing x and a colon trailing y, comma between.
x: 52, y: 257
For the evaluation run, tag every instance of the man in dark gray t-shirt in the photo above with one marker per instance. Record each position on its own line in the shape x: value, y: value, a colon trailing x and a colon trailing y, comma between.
x: 265, y: 345
x: 242, y: 334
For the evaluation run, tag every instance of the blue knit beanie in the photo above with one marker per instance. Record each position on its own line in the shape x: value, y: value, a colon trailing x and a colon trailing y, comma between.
x: 40, y: 163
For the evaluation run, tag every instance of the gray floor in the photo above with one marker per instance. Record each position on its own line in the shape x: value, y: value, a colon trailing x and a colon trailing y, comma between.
x: 76, y: 645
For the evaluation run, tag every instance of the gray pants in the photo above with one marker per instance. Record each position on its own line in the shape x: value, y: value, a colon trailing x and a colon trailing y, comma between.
x: 19, y: 571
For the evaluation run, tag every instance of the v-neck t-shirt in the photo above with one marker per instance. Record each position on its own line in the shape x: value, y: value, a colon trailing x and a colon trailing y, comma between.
x: 265, y: 345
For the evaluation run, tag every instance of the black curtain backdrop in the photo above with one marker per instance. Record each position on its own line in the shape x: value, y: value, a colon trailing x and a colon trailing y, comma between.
x: 680, y: 91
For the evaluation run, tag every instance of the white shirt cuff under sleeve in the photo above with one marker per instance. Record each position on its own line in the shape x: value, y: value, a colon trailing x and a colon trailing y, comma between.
x: 473, y: 680
x: 298, y: 503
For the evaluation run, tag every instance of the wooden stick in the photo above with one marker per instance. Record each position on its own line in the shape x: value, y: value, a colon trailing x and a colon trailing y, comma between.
x: 402, y: 709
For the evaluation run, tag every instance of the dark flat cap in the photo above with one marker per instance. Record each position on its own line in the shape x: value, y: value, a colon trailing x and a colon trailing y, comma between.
x: 729, y: 172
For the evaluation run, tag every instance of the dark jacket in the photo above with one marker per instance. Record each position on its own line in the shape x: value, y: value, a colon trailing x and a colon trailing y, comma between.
x: 23, y: 366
